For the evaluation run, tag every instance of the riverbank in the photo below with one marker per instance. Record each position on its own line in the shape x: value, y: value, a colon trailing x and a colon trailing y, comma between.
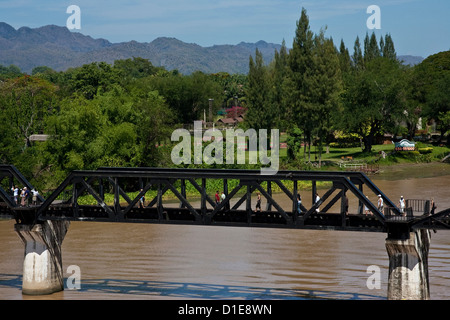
x: 382, y: 155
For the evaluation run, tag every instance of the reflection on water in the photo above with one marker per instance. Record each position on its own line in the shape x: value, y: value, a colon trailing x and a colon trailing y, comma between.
x: 136, y: 289
x: 144, y: 261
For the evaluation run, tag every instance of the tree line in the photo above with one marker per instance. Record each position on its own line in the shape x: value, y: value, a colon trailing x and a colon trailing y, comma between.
x: 122, y: 114
x: 317, y: 88
x: 101, y: 115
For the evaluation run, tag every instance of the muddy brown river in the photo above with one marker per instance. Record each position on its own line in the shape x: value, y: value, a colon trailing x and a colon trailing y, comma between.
x: 145, y: 261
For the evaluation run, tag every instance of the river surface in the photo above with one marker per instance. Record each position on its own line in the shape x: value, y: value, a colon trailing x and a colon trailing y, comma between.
x: 145, y: 261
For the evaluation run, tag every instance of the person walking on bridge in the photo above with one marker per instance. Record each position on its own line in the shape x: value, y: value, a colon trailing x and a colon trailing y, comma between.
x: 142, y: 200
x: 15, y: 191
x: 258, y: 203
x: 24, y: 195
x: 380, y: 203
x: 317, y: 202
x: 299, y: 203
x: 217, y: 197
x: 433, y: 206
x: 402, y: 206
x: 35, y: 195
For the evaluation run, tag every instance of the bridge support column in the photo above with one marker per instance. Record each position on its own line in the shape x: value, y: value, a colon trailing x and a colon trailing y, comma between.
x: 42, y: 266
x: 408, y: 267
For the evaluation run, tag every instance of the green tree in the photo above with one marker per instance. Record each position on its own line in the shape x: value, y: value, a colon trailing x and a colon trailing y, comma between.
x: 357, y: 57
x: 260, y: 113
x: 300, y: 62
x: 371, y: 49
x: 413, y: 106
x: 388, y: 49
x: 445, y: 123
x: 41, y: 70
x: 154, y: 125
x: 373, y: 100
x: 136, y: 68
x: 116, y: 128
x: 73, y: 133
x: 93, y: 78
x: 278, y: 94
x: 344, y: 58
x: 26, y: 101
x: 10, y: 72
x: 325, y: 88
x: 233, y: 87
x: 315, y: 83
x: 187, y: 96
x: 432, y: 78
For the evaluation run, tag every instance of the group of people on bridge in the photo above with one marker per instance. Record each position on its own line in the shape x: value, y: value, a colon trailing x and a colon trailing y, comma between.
x: 24, y: 195
x: 219, y: 198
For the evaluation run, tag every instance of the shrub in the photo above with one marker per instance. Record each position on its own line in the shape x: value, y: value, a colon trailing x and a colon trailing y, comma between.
x: 425, y: 150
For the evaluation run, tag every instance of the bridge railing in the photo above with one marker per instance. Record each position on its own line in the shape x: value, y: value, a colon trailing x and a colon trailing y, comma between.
x: 419, y: 206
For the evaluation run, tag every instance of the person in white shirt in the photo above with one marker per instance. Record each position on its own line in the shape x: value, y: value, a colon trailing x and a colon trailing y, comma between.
x: 380, y: 203
x: 317, y: 201
x: 402, y: 205
x: 15, y: 191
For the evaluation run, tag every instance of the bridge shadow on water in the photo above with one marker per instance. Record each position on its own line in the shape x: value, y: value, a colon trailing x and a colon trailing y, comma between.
x: 139, y: 289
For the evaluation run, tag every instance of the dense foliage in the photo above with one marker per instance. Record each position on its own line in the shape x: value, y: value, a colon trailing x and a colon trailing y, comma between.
x: 123, y: 114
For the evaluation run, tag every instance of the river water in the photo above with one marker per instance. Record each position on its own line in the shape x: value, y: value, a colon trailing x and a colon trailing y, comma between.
x: 144, y: 261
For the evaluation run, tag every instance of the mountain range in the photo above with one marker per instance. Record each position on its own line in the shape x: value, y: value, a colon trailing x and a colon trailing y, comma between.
x: 60, y: 49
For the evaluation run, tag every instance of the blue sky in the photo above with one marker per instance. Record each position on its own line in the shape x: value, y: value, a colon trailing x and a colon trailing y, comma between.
x: 418, y: 27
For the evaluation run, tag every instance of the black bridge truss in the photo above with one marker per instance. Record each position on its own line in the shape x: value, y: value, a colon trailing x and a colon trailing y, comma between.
x: 235, y: 210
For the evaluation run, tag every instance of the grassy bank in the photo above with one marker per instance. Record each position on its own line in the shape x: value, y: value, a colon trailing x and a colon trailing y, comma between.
x: 424, y: 153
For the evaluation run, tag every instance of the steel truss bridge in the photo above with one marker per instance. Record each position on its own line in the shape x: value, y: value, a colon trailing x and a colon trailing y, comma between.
x: 201, y: 209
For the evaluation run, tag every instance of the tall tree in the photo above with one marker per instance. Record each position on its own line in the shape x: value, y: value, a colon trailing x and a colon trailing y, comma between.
x: 388, y: 50
x: 278, y: 95
x: 300, y: 62
x: 357, y: 57
x: 371, y: 49
x: 325, y: 88
x: 344, y: 58
x: 260, y: 113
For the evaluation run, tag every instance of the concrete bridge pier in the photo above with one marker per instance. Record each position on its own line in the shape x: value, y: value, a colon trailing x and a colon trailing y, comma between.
x: 42, y: 267
x: 408, y: 267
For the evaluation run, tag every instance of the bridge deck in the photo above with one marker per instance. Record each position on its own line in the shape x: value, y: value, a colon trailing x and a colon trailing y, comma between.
x: 234, y: 218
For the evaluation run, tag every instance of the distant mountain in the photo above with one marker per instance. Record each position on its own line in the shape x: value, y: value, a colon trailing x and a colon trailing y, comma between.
x: 410, y: 60
x: 60, y: 49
